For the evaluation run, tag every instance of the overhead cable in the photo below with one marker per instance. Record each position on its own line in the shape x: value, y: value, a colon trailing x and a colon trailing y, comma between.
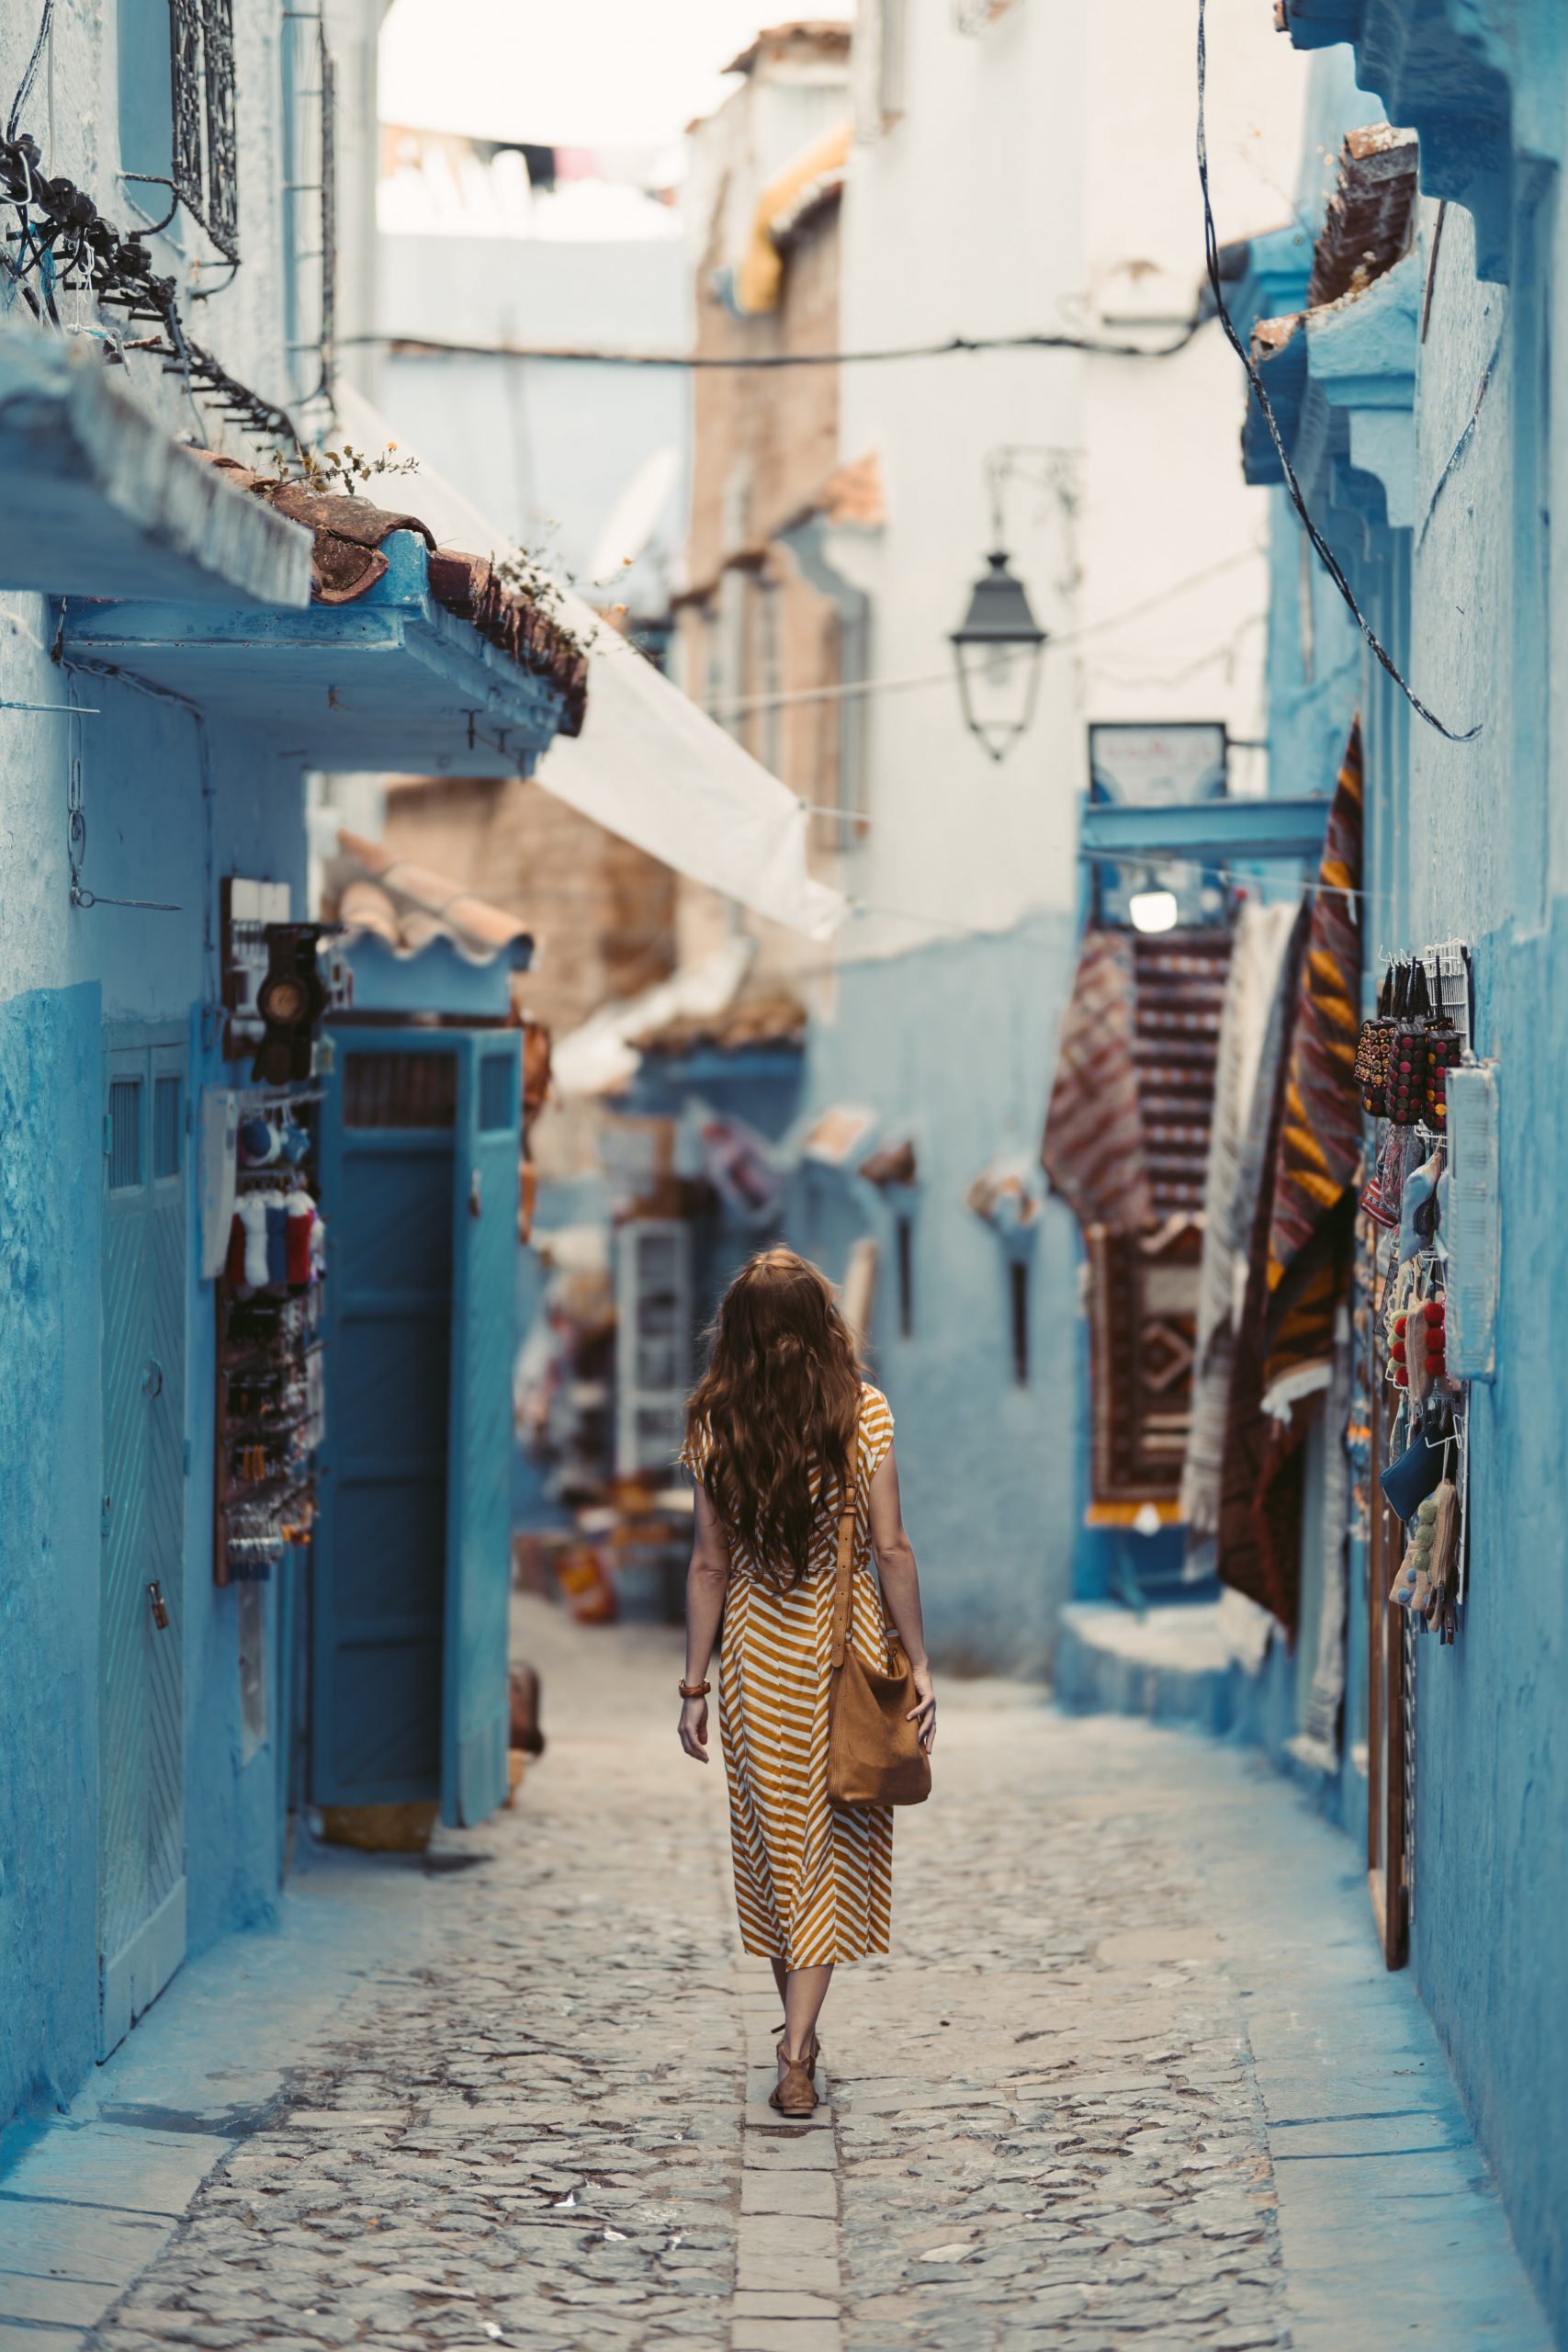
x: 1324, y: 553
x: 595, y: 356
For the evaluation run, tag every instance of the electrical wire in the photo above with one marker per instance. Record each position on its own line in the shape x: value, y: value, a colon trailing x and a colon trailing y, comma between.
x: 25, y: 88
x: 850, y: 689
x: 435, y: 348
x: 1324, y: 553
x: 66, y: 245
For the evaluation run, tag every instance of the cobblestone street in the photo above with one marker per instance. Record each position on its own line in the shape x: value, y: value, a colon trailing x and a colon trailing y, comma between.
x: 1103, y: 2094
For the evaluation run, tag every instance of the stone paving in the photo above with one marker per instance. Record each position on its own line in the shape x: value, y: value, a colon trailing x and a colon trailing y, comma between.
x: 547, y: 2127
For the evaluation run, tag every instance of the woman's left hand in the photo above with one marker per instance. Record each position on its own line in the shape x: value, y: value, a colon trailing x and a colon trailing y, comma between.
x: 694, y: 1728
x: 922, y: 1714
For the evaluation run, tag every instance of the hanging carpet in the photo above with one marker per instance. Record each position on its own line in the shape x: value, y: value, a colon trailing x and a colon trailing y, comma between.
x: 1126, y: 1144
x: 1299, y: 1253
x: 1244, y: 1089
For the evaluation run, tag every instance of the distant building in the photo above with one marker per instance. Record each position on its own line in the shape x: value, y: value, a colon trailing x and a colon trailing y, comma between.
x: 949, y: 173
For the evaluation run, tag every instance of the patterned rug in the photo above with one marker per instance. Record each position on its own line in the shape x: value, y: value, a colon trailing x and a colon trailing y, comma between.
x: 1126, y: 1144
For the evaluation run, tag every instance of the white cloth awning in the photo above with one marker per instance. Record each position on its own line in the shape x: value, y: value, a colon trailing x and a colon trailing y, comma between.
x: 648, y: 765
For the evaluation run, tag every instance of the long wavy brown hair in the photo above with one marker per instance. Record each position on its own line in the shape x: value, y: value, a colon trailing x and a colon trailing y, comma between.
x: 773, y: 1418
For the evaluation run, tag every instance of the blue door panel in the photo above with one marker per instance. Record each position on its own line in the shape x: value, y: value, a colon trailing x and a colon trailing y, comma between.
x: 412, y: 1567
x: 378, y: 1567
x: 141, y: 1905
x: 479, y: 1586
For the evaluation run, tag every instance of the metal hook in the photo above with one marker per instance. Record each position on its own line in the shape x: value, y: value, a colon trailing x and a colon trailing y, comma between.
x: 155, y: 179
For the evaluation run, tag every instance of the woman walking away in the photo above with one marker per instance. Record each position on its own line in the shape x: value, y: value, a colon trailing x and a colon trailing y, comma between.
x: 796, y: 1489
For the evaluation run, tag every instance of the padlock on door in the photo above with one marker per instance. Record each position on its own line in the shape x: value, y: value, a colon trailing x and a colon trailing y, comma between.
x: 160, y: 1607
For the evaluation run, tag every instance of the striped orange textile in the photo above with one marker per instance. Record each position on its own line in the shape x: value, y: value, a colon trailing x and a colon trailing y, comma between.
x: 813, y: 1882
x: 1320, y: 1127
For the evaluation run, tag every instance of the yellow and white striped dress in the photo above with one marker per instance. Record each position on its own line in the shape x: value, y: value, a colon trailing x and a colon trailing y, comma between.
x: 813, y: 1881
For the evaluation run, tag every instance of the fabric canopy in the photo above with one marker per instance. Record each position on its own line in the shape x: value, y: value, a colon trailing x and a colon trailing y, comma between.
x: 648, y: 765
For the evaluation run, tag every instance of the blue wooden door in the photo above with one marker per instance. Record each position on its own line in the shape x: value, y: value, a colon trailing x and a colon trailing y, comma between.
x: 412, y: 1567
x: 478, y: 1579
x: 141, y: 1888
x: 390, y: 1150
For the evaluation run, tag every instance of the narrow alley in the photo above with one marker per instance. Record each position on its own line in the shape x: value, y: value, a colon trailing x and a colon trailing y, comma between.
x: 1134, y: 2076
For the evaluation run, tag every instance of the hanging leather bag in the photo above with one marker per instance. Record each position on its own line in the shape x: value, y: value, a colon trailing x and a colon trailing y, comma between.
x: 874, y: 1755
x: 1442, y: 1055
x: 1372, y: 1051
x: 1409, y: 1051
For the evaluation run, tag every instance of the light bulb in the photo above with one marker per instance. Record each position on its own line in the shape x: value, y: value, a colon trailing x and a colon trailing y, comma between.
x: 1153, y: 910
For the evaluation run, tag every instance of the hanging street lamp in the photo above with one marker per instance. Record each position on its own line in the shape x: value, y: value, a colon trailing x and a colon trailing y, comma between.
x: 997, y: 648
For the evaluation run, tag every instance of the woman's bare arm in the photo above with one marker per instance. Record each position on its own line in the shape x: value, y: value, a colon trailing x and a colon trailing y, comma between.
x: 901, y: 1585
x: 706, y: 1581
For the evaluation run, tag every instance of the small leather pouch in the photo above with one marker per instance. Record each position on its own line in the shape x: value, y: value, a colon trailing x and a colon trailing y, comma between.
x: 1417, y: 1474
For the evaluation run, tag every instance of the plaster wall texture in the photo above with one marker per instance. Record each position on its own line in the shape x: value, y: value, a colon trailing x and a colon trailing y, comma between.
x: 1470, y: 841
x: 955, y: 1045
x: 101, y: 106
x: 171, y: 805
x: 1077, y: 205
x: 49, y: 1540
x: 1477, y: 843
x: 152, y: 832
x: 545, y: 447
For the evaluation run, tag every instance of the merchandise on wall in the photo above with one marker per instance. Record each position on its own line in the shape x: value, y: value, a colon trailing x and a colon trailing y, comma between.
x: 270, y: 1414
x: 1408, y: 1057
x: 1300, y: 1194
x: 1426, y: 1329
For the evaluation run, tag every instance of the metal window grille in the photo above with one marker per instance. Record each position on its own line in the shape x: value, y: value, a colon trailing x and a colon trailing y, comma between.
x: 125, y: 1135
x: 206, y: 161
x: 167, y: 1109
x: 396, y: 1090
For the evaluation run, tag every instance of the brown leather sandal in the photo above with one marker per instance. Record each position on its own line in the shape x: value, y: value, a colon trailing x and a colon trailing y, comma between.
x: 816, y: 2051
x: 796, y: 2093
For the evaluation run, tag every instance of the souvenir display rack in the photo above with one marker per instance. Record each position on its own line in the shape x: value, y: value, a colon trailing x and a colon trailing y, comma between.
x: 1418, y: 1416
x: 270, y: 1391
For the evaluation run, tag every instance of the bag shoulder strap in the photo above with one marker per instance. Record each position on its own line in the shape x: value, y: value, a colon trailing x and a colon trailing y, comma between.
x: 845, y: 1567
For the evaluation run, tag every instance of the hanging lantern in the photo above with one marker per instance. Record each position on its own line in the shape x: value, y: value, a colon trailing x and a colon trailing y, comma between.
x: 997, y: 648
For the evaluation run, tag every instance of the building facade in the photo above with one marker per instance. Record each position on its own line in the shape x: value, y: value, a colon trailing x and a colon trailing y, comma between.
x: 188, y: 233
x: 1409, y: 360
x: 891, y: 221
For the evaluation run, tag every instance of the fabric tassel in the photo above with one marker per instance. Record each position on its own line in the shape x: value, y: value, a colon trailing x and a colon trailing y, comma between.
x: 252, y: 1213
x: 302, y: 1211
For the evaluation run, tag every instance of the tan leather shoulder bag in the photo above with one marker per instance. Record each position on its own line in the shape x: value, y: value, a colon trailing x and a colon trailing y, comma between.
x: 874, y: 1755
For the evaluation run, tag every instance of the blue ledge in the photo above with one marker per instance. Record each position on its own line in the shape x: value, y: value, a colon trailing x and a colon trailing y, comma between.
x: 98, y: 499
x: 1284, y: 375
x: 392, y: 681
x: 1203, y: 829
x: 1481, y: 81
x: 1359, y: 416
x: 1272, y: 285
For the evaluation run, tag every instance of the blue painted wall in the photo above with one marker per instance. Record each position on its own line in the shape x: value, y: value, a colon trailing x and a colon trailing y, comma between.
x: 954, y: 1043
x: 49, y: 1540
x: 168, y: 814
x: 1471, y: 839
